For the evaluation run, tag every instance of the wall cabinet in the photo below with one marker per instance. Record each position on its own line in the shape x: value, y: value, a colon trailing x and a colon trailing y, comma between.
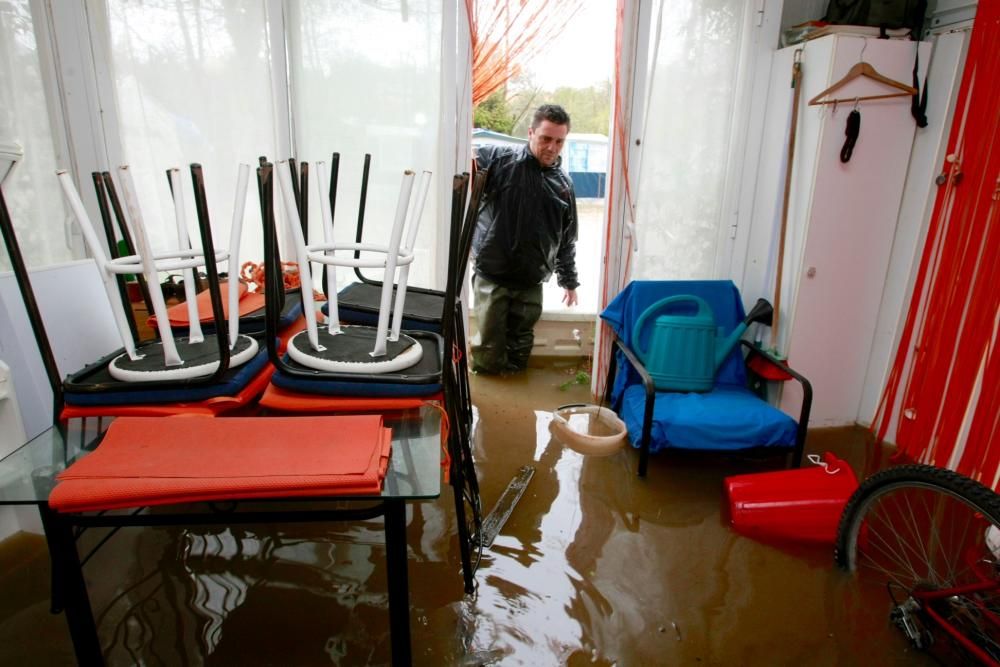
x: 842, y: 216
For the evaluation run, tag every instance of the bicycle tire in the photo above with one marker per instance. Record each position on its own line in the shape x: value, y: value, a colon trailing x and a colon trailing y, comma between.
x: 921, y: 528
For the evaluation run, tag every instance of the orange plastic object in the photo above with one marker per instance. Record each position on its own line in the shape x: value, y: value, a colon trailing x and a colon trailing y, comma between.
x: 282, y: 400
x: 766, y: 369
x: 802, y: 505
x: 146, y: 461
x: 177, y: 314
x: 208, y: 407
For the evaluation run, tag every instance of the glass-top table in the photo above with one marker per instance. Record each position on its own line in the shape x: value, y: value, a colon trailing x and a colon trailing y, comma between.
x: 28, y: 474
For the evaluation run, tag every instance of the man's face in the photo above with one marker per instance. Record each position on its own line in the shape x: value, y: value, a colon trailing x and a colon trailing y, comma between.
x: 546, y: 141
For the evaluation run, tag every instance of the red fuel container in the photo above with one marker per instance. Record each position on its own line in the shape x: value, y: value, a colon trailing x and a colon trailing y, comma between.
x: 801, y: 505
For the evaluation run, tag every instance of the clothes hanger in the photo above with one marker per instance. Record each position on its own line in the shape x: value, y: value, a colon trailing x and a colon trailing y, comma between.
x: 864, y: 69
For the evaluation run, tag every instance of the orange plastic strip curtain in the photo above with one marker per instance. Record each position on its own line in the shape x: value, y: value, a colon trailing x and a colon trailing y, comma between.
x: 508, y: 33
x: 613, y: 282
x: 947, y: 362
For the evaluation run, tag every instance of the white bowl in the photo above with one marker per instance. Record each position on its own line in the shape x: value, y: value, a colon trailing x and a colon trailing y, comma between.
x: 570, y: 424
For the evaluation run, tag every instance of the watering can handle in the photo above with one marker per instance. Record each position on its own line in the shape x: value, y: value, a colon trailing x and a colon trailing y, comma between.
x: 652, y: 310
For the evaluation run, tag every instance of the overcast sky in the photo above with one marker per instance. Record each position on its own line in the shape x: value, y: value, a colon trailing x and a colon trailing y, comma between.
x: 583, y: 54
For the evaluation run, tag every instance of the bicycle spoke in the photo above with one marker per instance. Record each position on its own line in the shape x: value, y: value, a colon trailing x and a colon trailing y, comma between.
x: 922, y: 532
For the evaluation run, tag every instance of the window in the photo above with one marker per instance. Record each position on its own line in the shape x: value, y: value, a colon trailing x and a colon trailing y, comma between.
x: 193, y: 84
x: 366, y: 79
x: 686, y: 145
x: 32, y: 191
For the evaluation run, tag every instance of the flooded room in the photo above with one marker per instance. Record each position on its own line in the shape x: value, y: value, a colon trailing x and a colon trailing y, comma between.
x: 477, y: 332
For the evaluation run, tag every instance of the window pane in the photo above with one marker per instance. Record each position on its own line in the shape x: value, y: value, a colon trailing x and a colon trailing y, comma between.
x: 366, y: 79
x: 687, y: 135
x: 193, y: 85
x: 32, y: 192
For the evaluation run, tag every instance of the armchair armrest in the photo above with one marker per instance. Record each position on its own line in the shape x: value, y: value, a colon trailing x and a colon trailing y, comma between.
x: 803, y: 421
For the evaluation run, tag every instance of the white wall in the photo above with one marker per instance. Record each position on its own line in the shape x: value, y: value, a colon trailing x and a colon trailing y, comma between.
x: 79, y: 324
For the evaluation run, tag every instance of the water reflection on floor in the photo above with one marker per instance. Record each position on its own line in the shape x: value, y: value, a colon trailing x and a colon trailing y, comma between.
x: 594, y: 567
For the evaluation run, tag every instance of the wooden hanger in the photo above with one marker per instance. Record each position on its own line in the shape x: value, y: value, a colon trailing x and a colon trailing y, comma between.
x: 866, y: 70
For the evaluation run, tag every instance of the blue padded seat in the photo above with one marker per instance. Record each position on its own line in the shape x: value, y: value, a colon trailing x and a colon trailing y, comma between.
x: 726, y: 418
x: 729, y: 417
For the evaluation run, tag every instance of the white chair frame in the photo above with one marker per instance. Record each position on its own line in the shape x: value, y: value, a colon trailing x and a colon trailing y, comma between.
x: 149, y: 264
x: 394, y: 255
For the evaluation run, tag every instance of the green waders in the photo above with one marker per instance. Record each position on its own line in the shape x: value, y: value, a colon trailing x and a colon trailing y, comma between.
x: 506, y: 320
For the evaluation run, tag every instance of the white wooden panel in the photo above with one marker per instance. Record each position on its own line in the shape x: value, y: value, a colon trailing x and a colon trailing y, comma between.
x: 79, y: 324
x: 929, y: 147
x: 759, y: 270
x: 851, y: 225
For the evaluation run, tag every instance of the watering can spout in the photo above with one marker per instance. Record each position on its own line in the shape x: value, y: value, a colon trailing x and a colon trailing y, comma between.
x: 761, y: 312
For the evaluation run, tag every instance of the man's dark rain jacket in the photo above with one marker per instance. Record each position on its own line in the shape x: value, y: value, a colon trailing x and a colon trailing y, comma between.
x: 527, y: 224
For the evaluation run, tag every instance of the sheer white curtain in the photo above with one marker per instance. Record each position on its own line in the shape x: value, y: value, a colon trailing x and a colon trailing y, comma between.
x: 32, y: 192
x: 366, y: 78
x: 692, y: 85
x: 192, y: 81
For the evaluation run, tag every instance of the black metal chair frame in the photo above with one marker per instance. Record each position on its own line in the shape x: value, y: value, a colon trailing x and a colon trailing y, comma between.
x: 454, y: 374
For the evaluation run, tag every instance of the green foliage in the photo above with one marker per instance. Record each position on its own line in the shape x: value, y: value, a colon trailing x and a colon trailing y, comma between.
x: 509, y: 111
x: 589, y: 108
x: 581, y: 377
x: 494, y: 113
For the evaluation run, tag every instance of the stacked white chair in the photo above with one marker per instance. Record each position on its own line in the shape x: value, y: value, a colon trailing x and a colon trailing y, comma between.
x: 341, y: 348
x: 171, y: 358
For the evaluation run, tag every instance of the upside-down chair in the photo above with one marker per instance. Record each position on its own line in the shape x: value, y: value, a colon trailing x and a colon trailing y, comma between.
x: 196, y: 373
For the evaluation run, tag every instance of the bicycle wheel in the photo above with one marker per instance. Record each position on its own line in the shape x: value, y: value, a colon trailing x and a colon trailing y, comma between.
x: 921, y: 538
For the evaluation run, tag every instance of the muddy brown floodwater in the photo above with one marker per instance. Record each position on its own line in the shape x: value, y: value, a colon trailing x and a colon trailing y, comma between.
x: 595, y: 566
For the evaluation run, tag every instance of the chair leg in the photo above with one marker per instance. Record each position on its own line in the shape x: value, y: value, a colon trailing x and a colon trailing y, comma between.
x: 647, y: 428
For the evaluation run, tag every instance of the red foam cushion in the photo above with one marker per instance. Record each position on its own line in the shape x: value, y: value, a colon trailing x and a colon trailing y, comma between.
x: 177, y: 314
x: 153, y: 461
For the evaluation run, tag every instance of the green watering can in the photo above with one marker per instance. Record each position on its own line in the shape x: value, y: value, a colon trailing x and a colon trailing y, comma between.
x: 683, y: 352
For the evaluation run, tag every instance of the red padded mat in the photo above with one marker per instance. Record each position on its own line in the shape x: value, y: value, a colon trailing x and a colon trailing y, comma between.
x: 177, y: 314
x: 282, y: 400
x: 154, y: 461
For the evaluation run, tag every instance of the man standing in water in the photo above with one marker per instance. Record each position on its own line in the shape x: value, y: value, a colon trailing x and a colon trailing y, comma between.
x: 526, y: 230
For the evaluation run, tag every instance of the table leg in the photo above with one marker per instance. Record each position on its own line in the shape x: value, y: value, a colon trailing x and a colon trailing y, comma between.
x: 68, y: 573
x: 398, y: 578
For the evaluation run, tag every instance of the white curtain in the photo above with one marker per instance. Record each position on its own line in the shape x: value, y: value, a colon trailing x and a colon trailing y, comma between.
x: 32, y: 192
x: 366, y: 78
x: 193, y: 84
x: 692, y: 83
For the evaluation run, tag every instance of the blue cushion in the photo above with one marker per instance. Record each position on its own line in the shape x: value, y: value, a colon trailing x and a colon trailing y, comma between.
x: 347, y: 388
x: 721, y: 295
x: 726, y: 418
x: 233, y: 382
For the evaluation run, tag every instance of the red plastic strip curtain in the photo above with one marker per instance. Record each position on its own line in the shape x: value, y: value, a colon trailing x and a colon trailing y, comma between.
x: 507, y: 33
x: 614, y: 281
x: 947, y: 362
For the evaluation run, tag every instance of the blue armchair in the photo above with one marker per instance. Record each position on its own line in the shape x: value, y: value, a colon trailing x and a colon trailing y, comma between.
x: 728, y: 417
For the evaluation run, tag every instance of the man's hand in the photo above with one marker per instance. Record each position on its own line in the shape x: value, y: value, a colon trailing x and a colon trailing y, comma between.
x: 569, y: 297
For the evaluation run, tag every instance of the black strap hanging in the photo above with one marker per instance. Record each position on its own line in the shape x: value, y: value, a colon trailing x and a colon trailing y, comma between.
x: 918, y: 103
x: 852, y: 132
